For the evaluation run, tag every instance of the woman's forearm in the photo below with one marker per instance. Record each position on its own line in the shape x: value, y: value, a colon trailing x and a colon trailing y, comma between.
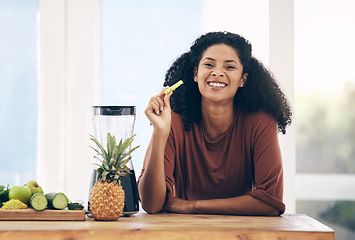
x: 152, y: 187
x: 243, y: 205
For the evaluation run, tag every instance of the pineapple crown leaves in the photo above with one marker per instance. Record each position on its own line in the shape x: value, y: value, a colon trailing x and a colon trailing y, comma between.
x: 114, y: 161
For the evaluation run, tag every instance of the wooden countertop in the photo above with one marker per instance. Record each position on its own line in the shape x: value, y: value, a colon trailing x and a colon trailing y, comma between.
x: 172, y: 226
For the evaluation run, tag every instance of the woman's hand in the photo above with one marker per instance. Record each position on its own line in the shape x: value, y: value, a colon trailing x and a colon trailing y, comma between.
x: 178, y: 205
x: 158, y: 112
x: 152, y: 186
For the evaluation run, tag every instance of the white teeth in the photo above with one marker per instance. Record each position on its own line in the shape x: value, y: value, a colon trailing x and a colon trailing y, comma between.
x: 215, y: 84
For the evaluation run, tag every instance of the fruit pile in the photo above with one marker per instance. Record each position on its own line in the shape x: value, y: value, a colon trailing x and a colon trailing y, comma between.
x: 31, y: 194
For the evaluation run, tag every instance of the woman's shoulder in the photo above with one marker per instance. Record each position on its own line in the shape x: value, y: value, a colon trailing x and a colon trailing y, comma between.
x: 259, y: 119
x: 260, y: 115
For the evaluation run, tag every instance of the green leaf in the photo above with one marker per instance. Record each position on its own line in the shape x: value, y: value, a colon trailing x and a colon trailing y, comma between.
x: 129, y: 152
x: 127, y: 169
x: 118, y: 182
x: 112, y: 162
x: 104, y: 175
x: 119, y: 144
x: 122, y: 174
x: 124, y: 161
x: 103, y: 151
x: 111, y: 144
x: 100, y: 170
x: 98, y: 159
x: 97, y: 165
x: 105, y: 166
x: 4, y: 194
x: 125, y: 145
x: 115, y: 153
x: 98, y: 153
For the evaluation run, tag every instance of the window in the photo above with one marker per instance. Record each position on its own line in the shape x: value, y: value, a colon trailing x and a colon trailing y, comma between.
x: 140, y: 40
x: 139, y: 43
x: 325, y: 113
x: 18, y: 91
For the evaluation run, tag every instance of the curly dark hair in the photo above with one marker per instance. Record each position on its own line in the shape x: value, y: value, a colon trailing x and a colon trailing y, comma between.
x: 261, y: 92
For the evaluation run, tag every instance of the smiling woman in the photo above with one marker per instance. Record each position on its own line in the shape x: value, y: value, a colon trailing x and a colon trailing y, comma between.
x: 214, y: 147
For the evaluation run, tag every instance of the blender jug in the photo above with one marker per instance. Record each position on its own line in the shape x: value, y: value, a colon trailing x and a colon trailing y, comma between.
x: 119, y: 122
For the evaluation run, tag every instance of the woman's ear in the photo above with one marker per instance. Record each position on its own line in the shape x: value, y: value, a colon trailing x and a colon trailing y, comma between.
x: 195, y: 74
x: 244, y: 79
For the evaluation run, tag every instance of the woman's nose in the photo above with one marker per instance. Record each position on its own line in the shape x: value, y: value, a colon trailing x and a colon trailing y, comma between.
x: 217, y: 73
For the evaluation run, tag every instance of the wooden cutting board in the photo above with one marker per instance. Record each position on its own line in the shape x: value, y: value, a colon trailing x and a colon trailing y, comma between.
x: 45, y: 215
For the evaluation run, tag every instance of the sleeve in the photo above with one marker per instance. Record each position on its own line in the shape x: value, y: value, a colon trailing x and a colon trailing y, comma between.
x: 268, y: 170
x: 145, y: 161
x: 169, y: 160
x: 169, y: 166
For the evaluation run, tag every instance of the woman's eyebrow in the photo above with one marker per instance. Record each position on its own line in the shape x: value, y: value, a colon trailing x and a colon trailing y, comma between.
x: 209, y: 58
x: 227, y: 61
x: 231, y: 61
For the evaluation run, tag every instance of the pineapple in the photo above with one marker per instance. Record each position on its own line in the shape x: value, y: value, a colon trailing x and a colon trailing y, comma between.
x: 107, y: 197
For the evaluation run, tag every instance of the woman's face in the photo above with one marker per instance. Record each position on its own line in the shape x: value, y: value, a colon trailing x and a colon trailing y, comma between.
x: 219, y: 74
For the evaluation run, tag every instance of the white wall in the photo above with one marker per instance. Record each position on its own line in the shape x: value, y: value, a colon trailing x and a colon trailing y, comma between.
x: 281, y: 29
x: 68, y: 84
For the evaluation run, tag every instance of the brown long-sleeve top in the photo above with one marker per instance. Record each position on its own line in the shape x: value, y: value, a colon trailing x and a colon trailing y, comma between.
x: 246, y: 159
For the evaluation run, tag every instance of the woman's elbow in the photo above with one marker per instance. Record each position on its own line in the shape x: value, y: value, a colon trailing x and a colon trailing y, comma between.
x: 151, y: 208
x: 272, y: 212
x: 151, y: 201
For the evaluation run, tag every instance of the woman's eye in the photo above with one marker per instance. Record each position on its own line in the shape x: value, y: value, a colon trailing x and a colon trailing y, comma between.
x: 230, y: 67
x: 208, y: 64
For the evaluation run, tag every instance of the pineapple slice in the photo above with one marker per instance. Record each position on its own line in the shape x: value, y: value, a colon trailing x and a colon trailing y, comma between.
x: 14, y: 204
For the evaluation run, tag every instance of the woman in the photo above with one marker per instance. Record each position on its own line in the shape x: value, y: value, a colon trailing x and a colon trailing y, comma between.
x: 214, y: 148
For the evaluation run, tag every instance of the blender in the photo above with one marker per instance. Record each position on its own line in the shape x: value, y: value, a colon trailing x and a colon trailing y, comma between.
x: 119, y: 122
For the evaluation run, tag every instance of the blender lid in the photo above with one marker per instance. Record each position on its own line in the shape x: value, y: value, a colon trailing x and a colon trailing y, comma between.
x: 114, y: 110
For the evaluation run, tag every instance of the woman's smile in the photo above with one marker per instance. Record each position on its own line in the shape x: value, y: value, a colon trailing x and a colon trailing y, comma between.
x: 217, y: 85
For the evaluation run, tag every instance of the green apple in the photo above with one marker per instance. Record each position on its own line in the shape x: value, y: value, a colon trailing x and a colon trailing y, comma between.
x: 34, y: 187
x: 21, y: 193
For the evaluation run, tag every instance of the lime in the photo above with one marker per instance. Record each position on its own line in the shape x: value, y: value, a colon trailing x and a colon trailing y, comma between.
x: 21, y: 193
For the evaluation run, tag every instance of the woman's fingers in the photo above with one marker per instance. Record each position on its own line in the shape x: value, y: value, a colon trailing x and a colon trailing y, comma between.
x: 161, y: 100
x: 157, y: 104
x: 159, y: 113
x: 167, y: 100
